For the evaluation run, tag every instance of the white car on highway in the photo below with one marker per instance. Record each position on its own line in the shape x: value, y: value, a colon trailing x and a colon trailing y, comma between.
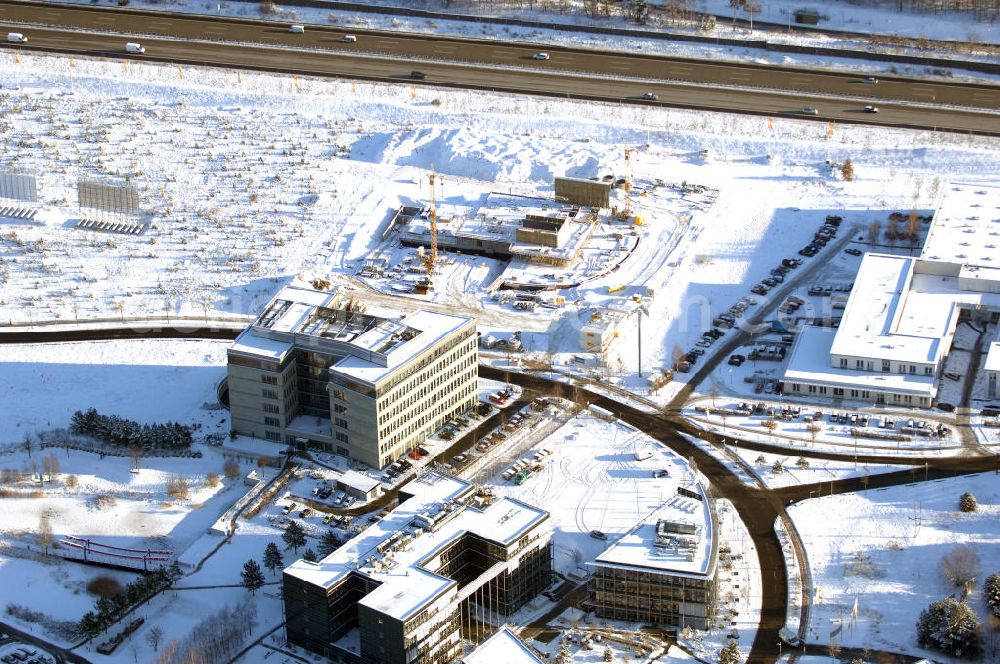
x: 540, y: 56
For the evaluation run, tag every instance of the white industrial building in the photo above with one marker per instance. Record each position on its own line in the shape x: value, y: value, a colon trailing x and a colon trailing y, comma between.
x: 900, y: 320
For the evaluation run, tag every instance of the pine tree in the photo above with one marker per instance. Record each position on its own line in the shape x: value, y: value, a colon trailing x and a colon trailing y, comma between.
x: 730, y: 654
x: 294, y: 536
x: 253, y: 578
x: 272, y: 557
x: 309, y: 555
x: 967, y: 503
x: 328, y: 544
x: 991, y: 592
x: 950, y: 626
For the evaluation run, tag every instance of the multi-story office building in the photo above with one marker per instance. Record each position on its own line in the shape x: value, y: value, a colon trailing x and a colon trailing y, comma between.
x: 322, y: 369
x: 663, y: 570
x: 446, y: 564
x: 900, y: 321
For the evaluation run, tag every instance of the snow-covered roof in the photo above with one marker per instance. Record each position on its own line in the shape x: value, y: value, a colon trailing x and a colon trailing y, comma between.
x: 966, y: 226
x: 809, y: 363
x: 422, y: 525
x: 676, y: 551
x: 502, y: 648
x: 358, y: 481
x: 248, y: 343
x: 993, y: 358
x: 905, y: 309
x: 369, y: 343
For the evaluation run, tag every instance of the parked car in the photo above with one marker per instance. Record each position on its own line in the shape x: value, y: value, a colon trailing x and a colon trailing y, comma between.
x: 759, y: 290
x: 736, y: 360
x: 597, y: 534
x: 852, y: 251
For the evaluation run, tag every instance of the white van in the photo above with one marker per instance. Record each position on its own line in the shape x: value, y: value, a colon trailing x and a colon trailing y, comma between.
x: 349, y: 38
x: 16, y: 37
x: 132, y: 47
x: 297, y: 28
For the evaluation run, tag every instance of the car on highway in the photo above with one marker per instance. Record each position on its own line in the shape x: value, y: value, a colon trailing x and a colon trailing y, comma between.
x: 852, y: 251
x: 871, y: 109
x: 649, y: 96
x: 540, y: 56
x: 810, y: 110
x: 16, y: 38
x: 869, y: 79
x: 297, y: 29
x: 349, y: 38
x: 133, y: 47
x: 417, y: 74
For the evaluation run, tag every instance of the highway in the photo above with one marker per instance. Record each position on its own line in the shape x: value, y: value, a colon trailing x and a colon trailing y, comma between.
x: 453, y: 62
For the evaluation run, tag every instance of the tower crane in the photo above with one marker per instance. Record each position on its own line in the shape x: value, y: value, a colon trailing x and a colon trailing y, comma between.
x: 431, y: 258
x: 628, y: 181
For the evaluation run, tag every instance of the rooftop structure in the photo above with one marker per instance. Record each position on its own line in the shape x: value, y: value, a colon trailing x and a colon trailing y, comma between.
x: 900, y: 320
x: 433, y: 561
x: 324, y: 369
x: 502, y: 648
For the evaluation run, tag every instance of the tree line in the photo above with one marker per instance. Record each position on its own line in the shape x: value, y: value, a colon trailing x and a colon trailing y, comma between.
x: 120, y: 431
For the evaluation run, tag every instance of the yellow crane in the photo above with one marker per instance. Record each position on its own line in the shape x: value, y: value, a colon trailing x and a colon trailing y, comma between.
x: 431, y: 257
x: 628, y: 181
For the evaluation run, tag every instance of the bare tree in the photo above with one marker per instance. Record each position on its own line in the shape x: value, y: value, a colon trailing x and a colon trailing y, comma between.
x: 873, y: 230
x: 960, y: 566
x: 153, y: 638
x: 45, y: 531
x: 770, y: 425
x: 28, y: 443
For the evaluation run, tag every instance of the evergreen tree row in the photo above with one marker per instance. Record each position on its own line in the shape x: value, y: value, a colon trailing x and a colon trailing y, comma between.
x: 108, y: 610
x: 120, y: 431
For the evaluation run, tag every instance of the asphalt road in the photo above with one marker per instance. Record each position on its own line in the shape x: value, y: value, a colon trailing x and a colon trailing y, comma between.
x: 613, y: 77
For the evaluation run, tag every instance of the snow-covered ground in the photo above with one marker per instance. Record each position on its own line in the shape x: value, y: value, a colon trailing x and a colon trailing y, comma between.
x: 144, y: 380
x: 884, y: 549
x: 293, y: 176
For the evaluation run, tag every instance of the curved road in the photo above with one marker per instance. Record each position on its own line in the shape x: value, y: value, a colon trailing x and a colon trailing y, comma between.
x: 758, y: 509
x: 571, y: 73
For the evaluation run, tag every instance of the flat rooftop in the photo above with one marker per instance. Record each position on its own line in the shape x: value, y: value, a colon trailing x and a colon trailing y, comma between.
x: 392, y: 551
x: 367, y: 343
x: 680, y: 552
x: 966, y: 226
x: 809, y: 363
x: 608, y: 476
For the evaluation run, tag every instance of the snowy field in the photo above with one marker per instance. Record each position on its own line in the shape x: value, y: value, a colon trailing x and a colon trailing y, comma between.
x: 885, y: 553
x: 294, y: 177
x: 144, y: 380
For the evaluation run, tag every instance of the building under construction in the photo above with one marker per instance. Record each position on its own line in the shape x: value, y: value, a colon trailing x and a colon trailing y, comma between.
x: 448, y: 564
x: 536, y: 229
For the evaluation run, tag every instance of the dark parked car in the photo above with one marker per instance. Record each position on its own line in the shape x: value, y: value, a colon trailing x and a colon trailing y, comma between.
x: 597, y: 534
x: 736, y: 360
x: 852, y: 251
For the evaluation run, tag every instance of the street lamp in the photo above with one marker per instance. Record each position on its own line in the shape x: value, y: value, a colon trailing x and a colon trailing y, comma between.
x: 640, y: 311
